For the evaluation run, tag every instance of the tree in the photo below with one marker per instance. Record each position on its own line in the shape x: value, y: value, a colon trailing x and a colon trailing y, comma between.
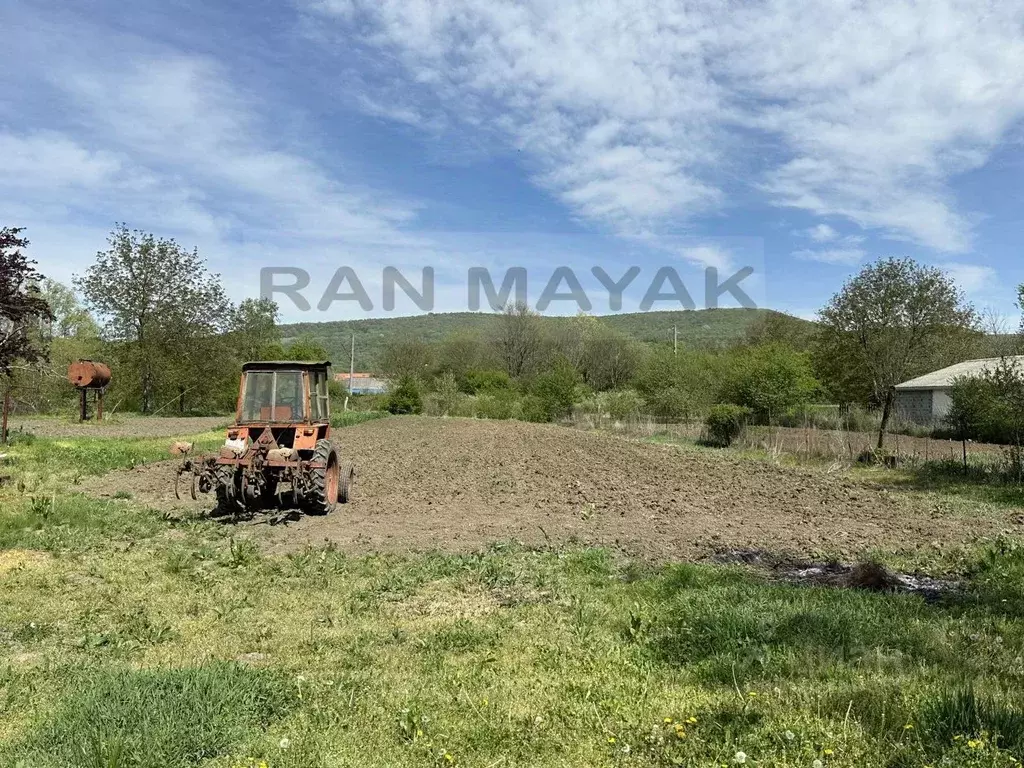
x: 22, y: 306
x: 306, y: 349
x: 971, y: 404
x: 254, y: 329
x: 519, y: 340
x: 160, y: 304
x: 406, y: 357
x: 770, y: 379
x: 889, y: 322
x: 70, y: 318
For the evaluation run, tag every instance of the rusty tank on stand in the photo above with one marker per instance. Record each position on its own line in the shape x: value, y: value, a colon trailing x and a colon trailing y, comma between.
x: 86, y: 376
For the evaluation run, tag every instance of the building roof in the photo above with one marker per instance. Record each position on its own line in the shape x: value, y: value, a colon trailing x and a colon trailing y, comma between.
x: 945, y: 378
x: 257, y: 365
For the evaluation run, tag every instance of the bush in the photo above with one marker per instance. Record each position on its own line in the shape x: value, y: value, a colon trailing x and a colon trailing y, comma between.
x: 725, y: 423
x: 770, y: 380
x: 500, y: 404
x: 478, y: 380
x: 670, y: 405
x: 405, y: 398
x: 555, y: 393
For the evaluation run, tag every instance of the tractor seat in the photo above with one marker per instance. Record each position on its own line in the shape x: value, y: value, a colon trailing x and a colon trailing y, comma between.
x: 281, y: 413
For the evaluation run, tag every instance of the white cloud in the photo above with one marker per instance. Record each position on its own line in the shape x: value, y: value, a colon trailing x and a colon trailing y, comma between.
x: 822, y: 233
x: 972, y: 278
x: 708, y: 256
x: 832, y: 255
x: 634, y: 113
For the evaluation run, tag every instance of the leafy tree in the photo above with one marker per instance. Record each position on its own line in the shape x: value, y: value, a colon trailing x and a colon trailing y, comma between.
x: 889, y: 322
x: 22, y: 306
x: 305, y: 349
x: 519, y: 340
x: 970, y: 412
x: 404, y: 357
x: 159, y: 303
x: 405, y: 397
x: 555, y: 391
x: 770, y: 380
x: 486, y: 380
x: 254, y: 329
x: 70, y: 318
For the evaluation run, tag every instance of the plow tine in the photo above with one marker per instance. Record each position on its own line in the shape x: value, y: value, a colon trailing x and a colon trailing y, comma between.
x: 194, y: 497
x: 177, y: 481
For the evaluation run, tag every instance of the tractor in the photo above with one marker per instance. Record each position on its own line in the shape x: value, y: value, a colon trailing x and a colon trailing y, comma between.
x: 278, y: 453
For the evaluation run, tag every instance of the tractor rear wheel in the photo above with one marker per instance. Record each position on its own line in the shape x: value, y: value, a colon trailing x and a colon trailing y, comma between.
x: 227, y: 490
x: 324, y: 480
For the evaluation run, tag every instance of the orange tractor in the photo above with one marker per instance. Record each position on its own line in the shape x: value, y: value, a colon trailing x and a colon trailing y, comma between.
x: 278, y: 453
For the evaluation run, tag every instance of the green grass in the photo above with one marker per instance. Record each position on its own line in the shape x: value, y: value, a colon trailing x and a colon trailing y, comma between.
x: 341, y: 418
x: 52, y: 463
x: 173, y: 718
x: 131, y: 639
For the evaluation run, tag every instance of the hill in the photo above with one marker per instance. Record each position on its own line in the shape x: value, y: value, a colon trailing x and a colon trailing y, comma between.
x: 700, y: 328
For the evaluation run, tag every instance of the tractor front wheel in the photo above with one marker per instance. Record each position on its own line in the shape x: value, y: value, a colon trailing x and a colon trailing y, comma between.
x: 324, y: 479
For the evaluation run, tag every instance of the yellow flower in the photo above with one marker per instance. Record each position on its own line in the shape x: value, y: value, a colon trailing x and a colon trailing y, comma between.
x: 908, y: 727
x: 449, y: 758
x: 611, y: 739
x: 668, y: 721
x: 692, y: 720
x: 752, y: 694
x: 829, y: 752
x: 973, y: 744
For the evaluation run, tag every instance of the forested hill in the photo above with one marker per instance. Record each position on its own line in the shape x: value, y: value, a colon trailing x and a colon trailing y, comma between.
x: 699, y: 328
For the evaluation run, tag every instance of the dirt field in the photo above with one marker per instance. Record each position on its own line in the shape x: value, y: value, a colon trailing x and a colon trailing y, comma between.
x: 460, y: 484
x: 121, y: 426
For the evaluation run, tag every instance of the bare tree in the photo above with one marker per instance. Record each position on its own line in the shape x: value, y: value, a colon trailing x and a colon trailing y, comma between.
x: 890, y: 320
x: 519, y: 339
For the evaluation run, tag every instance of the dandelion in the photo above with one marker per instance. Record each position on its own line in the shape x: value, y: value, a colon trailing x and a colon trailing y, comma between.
x: 817, y: 764
x: 538, y: 720
x: 908, y: 727
x: 973, y: 744
x: 285, y: 743
x: 691, y: 720
x: 668, y: 721
x: 611, y: 739
x: 829, y: 753
x: 448, y: 758
x: 626, y: 750
x: 740, y: 758
x: 790, y: 736
x: 752, y: 694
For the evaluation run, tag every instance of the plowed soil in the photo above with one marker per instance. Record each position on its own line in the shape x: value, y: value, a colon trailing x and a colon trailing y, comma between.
x: 460, y: 484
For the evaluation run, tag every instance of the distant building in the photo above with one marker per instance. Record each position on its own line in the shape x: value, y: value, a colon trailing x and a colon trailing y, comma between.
x: 362, y: 383
x: 925, y: 400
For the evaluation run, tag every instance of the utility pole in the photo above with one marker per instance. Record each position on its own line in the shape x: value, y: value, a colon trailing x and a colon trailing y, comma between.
x: 675, y: 339
x: 352, y: 365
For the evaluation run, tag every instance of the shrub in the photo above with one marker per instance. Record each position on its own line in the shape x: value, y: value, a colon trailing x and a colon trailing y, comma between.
x: 478, y: 380
x: 725, y: 423
x: 405, y: 398
x: 500, y: 404
x: 622, y: 404
x: 555, y: 391
x: 669, y: 405
x: 770, y: 380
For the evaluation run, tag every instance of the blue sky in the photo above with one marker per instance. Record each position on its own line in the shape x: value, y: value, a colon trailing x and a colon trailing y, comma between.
x: 802, y: 138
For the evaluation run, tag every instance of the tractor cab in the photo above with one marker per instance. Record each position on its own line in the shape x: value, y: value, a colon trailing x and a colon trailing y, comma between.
x: 287, y: 397
x: 279, y: 450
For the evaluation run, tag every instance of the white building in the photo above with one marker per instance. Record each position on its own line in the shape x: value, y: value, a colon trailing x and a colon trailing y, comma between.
x: 925, y: 400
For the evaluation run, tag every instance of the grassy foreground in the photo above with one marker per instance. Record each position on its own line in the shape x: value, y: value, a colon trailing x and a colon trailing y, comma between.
x: 130, y: 639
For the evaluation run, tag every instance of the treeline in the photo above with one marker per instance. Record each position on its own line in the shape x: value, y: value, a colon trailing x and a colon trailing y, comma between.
x: 153, y: 312
x: 894, y: 320
x: 521, y: 369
